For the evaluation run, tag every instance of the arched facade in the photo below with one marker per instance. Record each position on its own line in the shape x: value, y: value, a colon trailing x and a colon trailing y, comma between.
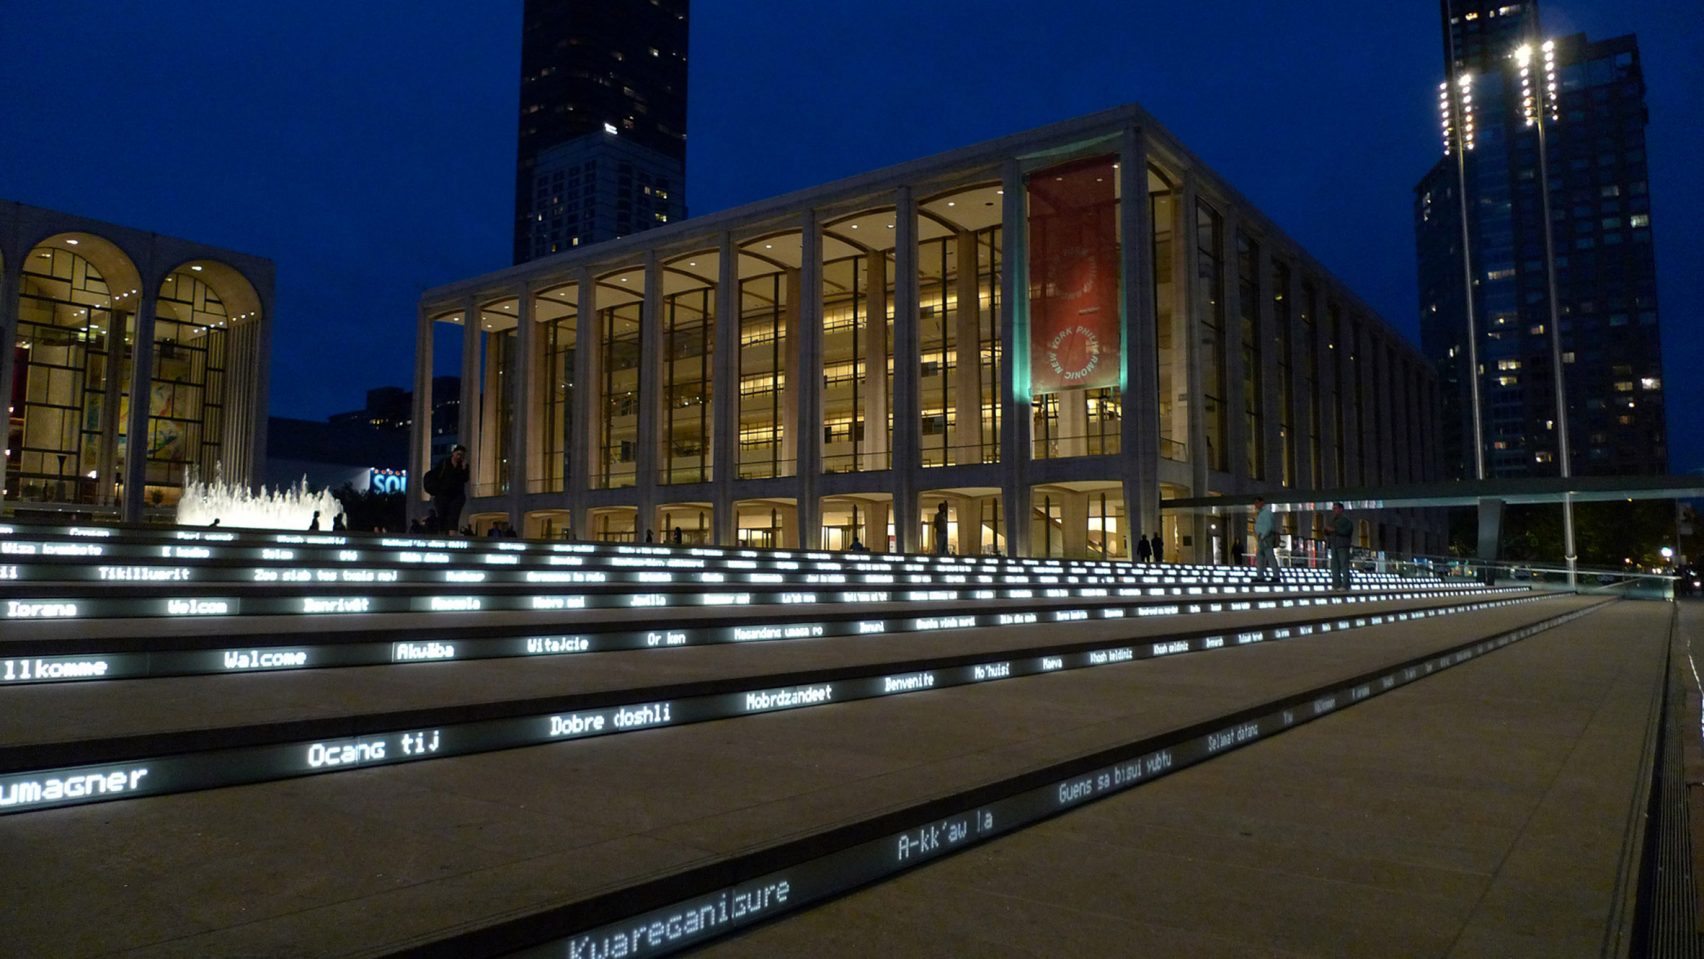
x: 998, y: 329
x: 76, y: 298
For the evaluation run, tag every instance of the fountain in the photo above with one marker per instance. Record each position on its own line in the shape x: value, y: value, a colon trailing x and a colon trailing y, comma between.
x: 238, y: 506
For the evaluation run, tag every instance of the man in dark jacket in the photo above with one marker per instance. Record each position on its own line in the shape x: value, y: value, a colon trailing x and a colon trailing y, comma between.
x: 448, y: 486
x: 1339, y: 529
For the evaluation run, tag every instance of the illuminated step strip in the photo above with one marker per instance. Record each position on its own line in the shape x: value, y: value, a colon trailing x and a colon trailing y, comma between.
x: 96, y: 542
x: 115, y: 601
x: 154, y: 571
x: 20, y: 562
x: 22, y: 670
x: 698, y: 919
x: 503, y: 568
x: 184, y: 772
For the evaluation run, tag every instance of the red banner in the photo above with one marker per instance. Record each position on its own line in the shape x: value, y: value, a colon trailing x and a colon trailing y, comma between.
x: 1073, y: 277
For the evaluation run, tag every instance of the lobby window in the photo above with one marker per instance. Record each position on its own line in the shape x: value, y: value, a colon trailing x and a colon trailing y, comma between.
x: 768, y: 317
x: 689, y: 336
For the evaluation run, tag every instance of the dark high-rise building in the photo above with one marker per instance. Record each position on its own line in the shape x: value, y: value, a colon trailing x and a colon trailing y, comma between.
x: 602, y: 144
x: 1606, y: 295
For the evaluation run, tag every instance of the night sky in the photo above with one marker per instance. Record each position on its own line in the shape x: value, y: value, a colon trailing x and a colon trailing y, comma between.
x: 368, y: 148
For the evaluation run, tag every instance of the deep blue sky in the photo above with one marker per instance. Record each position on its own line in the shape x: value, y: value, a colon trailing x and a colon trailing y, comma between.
x: 368, y: 148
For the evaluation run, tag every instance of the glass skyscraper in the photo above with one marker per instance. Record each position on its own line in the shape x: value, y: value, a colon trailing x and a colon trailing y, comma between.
x: 602, y: 134
x: 1601, y: 226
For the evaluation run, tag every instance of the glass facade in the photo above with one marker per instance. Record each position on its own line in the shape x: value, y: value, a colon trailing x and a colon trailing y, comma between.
x: 79, y: 303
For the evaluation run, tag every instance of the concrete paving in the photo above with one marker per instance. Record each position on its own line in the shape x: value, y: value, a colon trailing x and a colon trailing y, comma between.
x: 1485, y: 811
x: 69, y: 714
x: 369, y: 861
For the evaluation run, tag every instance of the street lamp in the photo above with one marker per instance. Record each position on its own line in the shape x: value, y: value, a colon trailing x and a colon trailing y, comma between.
x: 1538, y: 104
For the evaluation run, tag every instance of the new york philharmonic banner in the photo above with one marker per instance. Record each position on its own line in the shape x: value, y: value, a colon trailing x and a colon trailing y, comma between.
x: 1073, y: 277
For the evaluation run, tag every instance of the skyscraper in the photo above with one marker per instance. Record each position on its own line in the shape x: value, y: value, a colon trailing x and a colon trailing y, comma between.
x: 1599, y: 197
x: 602, y: 136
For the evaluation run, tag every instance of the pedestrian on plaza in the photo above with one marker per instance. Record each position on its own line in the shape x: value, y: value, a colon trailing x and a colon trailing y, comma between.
x: 337, y: 525
x: 1339, y: 529
x: 447, y: 485
x: 650, y: 537
x: 941, y: 529
x: 857, y: 545
x: 1265, y: 542
x: 1238, y: 554
x: 1143, y: 550
x: 1159, y: 546
x: 314, y: 523
x: 678, y: 536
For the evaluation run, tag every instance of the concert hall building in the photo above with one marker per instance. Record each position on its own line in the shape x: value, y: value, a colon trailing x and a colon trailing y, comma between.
x: 77, y: 297
x: 975, y: 329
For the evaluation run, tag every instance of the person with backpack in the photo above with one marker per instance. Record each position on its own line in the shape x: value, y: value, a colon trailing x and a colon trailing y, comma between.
x: 446, y: 483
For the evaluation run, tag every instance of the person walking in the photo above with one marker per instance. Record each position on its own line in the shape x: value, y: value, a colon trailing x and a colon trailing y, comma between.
x: 447, y: 484
x: 1266, y: 542
x: 1338, y: 530
x: 314, y: 523
x: 1143, y: 550
x: 1159, y: 549
x: 941, y: 529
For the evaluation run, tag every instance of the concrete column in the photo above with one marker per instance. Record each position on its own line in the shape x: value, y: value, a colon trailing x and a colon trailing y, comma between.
x: 588, y: 397
x: 725, y: 393
x: 1014, y: 357
x: 1301, y: 349
x: 1139, y: 446
x: 651, y: 373
x: 1266, y: 326
x: 969, y: 525
x: 11, y: 279
x: 966, y: 434
x: 1188, y: 250
x: 112, y: 399
x: 420, y: 431
x: 790, y: 387
x: 876, y: 518
x: 1325, y: 397
x: 521, y: 384
x: 1236, y: 425
x: 487, y: 466
x: 876, y: 448
x: 468, y: 414
x: 141, y: 394
x: 906, y: 426
x: 807, y: 360
x: 1074, y: 523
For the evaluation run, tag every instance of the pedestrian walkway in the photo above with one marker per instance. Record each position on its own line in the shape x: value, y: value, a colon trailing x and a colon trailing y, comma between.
x: 1492, y: 810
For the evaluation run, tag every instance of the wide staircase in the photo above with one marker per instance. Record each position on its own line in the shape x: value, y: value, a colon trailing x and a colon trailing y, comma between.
x: 230, y: 743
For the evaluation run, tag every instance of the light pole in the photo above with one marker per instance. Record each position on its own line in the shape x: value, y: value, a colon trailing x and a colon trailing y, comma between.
x: 1538, y: 103
x: 1455, y: 102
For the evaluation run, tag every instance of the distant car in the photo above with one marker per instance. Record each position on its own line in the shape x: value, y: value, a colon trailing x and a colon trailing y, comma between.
x: 1523, y: 573
x: 1607, y: 579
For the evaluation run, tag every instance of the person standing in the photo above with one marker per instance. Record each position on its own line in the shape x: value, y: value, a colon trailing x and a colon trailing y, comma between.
x: 314, y: 523
x: 1143, y: 550
x: 447, y: 485
x: 1338, y: 530
x: 1266, y: 541
x: 941, y: 529
x: 1159, y: 549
